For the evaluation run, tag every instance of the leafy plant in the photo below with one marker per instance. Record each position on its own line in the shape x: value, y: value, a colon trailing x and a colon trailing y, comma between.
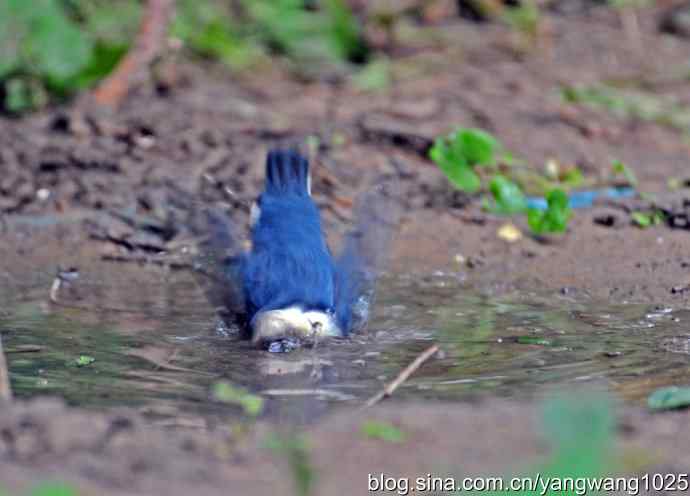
x: 52, y: 489
x: 620, y: 168
x: 628, y: 104
x: 508, y: 197
x: 40, y: 48
x: 647, y: 219
x: 54, y: 48
x: 329, y: 34
x: 384, y: 431
x: 211, y: 32
x: 84, y: 360
x: 227, y: 393
x: 374, y: 76
x: 641, y: 219
x: 459, y: 153
x: 346, y: 32
x: 580, y: 432
x: 556, y: 216
x: 524, y: 18
x: 295, y: 450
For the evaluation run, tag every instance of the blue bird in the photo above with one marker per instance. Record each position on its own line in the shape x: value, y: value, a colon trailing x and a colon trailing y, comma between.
x: 289, y: 285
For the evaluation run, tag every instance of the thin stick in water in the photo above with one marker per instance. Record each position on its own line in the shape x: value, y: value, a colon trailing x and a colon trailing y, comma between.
x: 402, y: 376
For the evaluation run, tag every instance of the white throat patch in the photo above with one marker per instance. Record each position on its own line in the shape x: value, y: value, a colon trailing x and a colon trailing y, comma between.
x: 293, y: 321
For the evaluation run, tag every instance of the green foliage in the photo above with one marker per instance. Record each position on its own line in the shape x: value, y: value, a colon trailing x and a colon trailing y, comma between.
x: 524, y: 18
x: 53, y: 48
x: 669, y: 398
x: 52, y: 489
x: 460, y: 152
x: 108, y: 22
x: 211, y: 32
x: 227, y: 393
x: 581, y: 431
x: 534, y: 340
x: 555, y: 218
x: 620, y: 168
x: 508, y: 197
x: 330, y: 34
x: 384, y: 431
x: 581, y: 434
x: 295, y: 450
x: 39, y: 47
x: 647, y: 219
x: 84, y: 360
x: 374, y: 76
x: 345, y: 31
x: 641, y: 219
x: 49, y: 489
x: 240, y: 36
x: 629, y: 104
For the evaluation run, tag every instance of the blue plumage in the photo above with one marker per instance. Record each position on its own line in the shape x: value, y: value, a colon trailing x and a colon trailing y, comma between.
x: 290, y: 263
x: 288, y: 284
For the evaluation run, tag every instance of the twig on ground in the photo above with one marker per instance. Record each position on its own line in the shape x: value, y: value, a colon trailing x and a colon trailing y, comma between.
x: 5, y: 389
x: 402, y: 376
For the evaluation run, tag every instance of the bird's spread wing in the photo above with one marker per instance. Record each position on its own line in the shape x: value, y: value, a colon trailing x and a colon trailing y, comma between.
x: 218, y: 263
x: 365, y: 252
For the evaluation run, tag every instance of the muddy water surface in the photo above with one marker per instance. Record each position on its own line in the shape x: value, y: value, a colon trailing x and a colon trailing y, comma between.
x: 158, y: 347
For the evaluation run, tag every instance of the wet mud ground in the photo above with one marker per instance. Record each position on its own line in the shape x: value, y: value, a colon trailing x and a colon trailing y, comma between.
x: 97, y: 193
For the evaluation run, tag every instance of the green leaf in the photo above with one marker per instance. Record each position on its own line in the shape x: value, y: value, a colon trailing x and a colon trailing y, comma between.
x: 374, y: 76
x: 641, y: 219
x: 508, y: 196
x: 458, y: 153
x: 11, y: 33
x: 295, y: 450
x: 84, y: 360
x: 345, y: 31
x: 382, y: 430
x: 17, y: 95
x: 533, y: 340
x: 476, y: 146
x: 581, y: 431
x: 227, y: 393
x: 555, y: 218
x: 55, y: 46
x: 669, y: 398
x: 462, y: 177
x: 104, y: 59
x: 52, y: 489
x: 619, y: 167
x: 572, y: 178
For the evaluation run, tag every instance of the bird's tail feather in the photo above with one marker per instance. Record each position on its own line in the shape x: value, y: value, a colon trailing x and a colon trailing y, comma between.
x: 287, y: 172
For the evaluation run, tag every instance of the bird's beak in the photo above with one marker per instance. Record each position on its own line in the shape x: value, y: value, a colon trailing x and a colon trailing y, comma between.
x: 274, y: 325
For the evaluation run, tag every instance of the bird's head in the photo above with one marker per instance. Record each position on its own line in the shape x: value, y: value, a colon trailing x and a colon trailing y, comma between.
x: 292, y: 322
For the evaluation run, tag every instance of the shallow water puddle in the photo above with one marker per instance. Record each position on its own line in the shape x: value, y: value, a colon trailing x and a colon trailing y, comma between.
x: 157, y: 347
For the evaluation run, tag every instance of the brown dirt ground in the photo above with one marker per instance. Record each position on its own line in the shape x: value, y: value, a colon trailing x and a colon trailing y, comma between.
x: 118, y: 453
x: 124, y: 183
